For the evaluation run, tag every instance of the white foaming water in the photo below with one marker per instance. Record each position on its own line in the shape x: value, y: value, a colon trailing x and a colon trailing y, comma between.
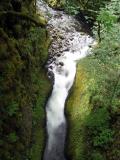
x: 63, y: 80
x: 68, y: 46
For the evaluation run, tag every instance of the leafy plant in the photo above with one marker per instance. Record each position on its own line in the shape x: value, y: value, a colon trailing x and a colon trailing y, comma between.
x: 71, y: 9
x: 103, y: 138
x: 98, y: 120
x: 97, y: 156
x: 107, y: 19
x: 12, y: 108
x: 12, y: 137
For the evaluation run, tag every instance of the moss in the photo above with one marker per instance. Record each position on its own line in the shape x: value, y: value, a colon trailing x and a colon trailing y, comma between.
x: 42, y: 20
x: 39, y: 116
x: 77, y: 110
x: 56, y: 3
x: 24, y: 89
x: 24, y: 86
x: 53, y: 3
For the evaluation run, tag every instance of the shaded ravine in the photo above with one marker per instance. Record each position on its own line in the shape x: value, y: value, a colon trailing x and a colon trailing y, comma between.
x: 68, y: 46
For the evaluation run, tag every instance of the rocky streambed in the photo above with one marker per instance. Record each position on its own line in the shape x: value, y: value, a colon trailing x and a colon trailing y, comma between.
x: 68, y: 46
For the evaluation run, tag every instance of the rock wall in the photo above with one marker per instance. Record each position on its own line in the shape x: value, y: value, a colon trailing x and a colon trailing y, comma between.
x: 93, y: 119
x: 77, y: 110
x: 24, y: 86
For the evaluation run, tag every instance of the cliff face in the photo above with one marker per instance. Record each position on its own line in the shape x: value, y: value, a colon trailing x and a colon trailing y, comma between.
x: 23, y: 83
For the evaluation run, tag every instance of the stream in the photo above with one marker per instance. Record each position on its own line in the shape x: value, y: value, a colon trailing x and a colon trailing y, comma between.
x: 69, y: 44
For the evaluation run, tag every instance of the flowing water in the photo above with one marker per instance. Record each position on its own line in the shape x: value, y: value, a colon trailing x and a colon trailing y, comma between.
x: 69, y: 44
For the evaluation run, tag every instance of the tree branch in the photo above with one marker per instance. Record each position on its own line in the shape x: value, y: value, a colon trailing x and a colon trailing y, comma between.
x: 22, y: 16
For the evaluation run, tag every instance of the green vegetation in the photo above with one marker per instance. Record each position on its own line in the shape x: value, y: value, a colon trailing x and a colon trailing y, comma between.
x: 93, y: 107
x: 89, y: 7
x: 24, y: 86
x: 93, y: 117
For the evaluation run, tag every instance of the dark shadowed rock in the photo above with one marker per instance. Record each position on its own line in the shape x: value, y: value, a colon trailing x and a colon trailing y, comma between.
x: 50, y: 75
x: 61, y: 63
x: 51, y: 67
x: 58, y: 55
x: 67, y: 49
x: 54, y: 59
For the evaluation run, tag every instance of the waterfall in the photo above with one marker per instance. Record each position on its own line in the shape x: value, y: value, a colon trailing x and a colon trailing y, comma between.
x: 56, y: 123
x: 68, y: 46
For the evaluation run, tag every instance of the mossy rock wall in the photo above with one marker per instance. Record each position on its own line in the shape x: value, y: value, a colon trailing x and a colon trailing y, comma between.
x: 77, y: 110
x: 24, y: 86
x: 93, y: 119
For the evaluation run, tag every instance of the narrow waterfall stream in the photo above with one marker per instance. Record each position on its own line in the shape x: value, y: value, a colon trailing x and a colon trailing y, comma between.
x: 68, y: 46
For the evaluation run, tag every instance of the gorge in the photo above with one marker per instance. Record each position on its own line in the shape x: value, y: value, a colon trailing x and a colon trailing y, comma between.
x: 59, y: 80
x: 68, y: 46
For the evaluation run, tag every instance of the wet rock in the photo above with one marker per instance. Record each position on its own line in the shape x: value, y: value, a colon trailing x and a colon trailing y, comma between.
x: 54, y: 59
x: 61, y: 63
x: 54, y: 36
x: 51, y: 67
x: 58, y: 55
x: 61, y: 37
x: 50, y: 74
x: 90, y: 46
x: 67, y: 49
x: 71, y: 38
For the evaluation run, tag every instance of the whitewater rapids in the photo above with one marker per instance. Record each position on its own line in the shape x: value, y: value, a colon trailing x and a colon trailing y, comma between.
x: 68, y: 46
